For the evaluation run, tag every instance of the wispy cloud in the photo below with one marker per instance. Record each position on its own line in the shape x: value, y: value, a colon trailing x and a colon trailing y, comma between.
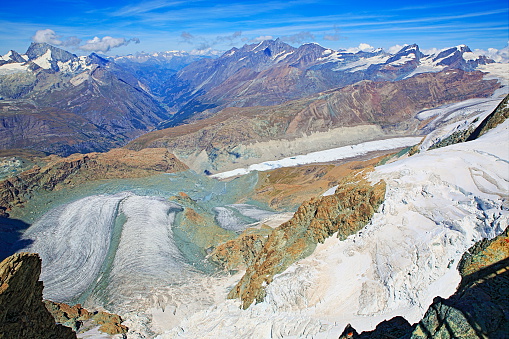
x: 96, y: 44
x: 299, y: 38
x: 146, y: 7
x: 333, y: 37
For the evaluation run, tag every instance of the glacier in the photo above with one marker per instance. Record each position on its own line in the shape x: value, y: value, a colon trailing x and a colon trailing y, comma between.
x: 396, y: 265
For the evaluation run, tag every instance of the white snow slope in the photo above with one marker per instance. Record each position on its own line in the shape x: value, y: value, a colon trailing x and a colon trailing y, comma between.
x: 438, y: 203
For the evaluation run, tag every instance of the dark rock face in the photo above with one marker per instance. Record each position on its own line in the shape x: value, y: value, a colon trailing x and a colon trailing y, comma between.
x: 345, y: 212
x: 22, y: 311
x: 39, y: 49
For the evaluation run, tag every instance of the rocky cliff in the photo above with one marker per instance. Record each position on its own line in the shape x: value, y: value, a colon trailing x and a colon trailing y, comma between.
x: 345, y: 212
x: 79, y: 168
x: 22, y: 311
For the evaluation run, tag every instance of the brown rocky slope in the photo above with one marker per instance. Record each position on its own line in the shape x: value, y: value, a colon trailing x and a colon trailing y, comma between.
x: 79, y: 168
x: 345, y: 212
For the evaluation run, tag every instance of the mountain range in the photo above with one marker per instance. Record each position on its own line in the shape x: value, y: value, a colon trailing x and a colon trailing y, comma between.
x: 56, y: 102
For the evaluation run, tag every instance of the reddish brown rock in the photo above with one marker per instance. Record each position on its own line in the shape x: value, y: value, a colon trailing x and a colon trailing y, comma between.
x: 80, y: 319
x: 345, y: 212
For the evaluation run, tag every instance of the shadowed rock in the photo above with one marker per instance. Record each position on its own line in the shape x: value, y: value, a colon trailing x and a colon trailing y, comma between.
x: 22, y: 312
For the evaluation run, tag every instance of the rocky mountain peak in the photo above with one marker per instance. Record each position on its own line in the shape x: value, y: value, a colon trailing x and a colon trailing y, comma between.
x: 460, y: 57
x: 407, y: 53
x: 38, y: 49
x: 13, y: 56
x: 97, y: 59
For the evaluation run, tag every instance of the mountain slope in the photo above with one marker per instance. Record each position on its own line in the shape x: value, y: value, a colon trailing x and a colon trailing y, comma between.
x: 272, y: 72
x: 353, y: 114
x: 60, y: 103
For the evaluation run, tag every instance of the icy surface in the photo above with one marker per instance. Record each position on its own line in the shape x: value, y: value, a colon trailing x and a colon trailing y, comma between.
x: 44, y: 61
x: 325, y: 156
x: 13, y: 68
x: 147, y: 256
x: 361, y: 64
x: 72, y: 241
x: 238, y: 217
x: 405, y: 257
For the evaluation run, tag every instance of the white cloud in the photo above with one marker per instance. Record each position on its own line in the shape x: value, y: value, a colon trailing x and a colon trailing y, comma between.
x: 396, y: 48
x: 499, y: 55
x: 207, y: 51
x: 362, y: 47
x: 263, y: 38
x: 46, y: 35
x: 94, y: 45
x: 105, y: 44
x: 430, y: 51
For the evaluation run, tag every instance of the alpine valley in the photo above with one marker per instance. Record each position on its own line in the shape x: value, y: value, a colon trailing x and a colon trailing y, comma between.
x: 269, y: 192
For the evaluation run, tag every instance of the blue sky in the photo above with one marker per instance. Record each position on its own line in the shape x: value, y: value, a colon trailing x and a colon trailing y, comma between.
x: 121, y: 27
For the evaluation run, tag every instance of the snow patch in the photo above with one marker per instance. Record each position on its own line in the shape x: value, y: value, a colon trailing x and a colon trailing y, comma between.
x: 324, y: 156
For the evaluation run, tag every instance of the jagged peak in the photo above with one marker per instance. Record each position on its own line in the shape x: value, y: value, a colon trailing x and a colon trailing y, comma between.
x: 38, y: 49
x: 97, y: 59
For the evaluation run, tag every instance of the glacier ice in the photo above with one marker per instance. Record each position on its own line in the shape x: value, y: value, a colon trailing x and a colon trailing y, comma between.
x: 438, y: 203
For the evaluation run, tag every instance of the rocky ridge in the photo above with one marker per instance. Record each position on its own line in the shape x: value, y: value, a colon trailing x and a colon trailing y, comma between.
x: 345, y: 212
x: 22, y: 311
x: 79, y: 168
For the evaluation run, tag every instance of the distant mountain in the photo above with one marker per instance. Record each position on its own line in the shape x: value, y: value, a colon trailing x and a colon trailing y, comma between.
x: 272, y: 72
x: 57, y: 102
x: 155, y: 69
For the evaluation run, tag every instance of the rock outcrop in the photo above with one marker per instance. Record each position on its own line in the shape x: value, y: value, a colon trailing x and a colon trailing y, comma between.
x: 241, y: 252
x: 345, y: 212
x: 22, y: 311
x: 80, y: 168
x: 82, y: 320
